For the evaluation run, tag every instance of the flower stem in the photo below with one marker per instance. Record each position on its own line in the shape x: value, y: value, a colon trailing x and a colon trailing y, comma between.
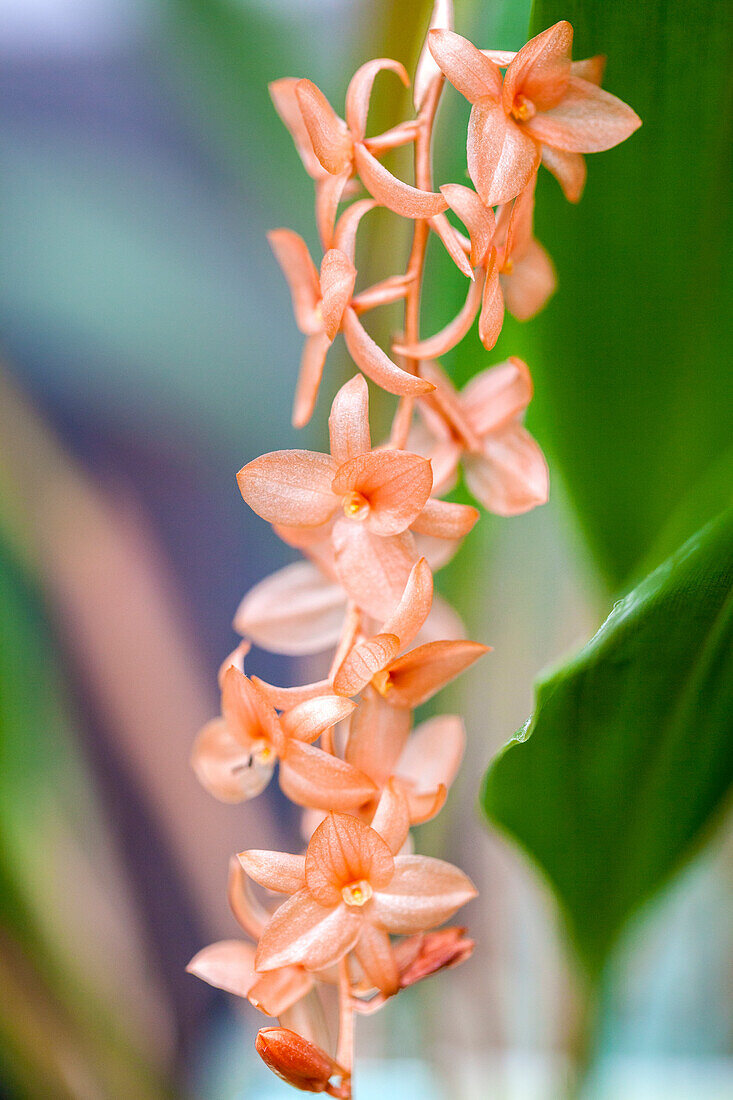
x: 345, y: 1049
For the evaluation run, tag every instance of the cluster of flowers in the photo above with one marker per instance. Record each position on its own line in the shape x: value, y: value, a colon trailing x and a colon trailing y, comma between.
x: 372, y: 526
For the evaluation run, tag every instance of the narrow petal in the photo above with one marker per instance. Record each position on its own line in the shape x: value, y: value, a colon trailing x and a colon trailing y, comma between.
x: 502, y: 158
x: 302, y: 931
x: 422, y: 806
x: 282, y: 93
x: 373, y: 569
x: 433, y: 754
x: 427, y: 69
x: 511, y: 476
x: 250, y: 913
x: 377, y: 960
x: 313, y: 778
x: 359, y: 92
x: 520, y: 224
x: 338, y: 276
x: 312, y: 362
x: 452, y: 334
x: 227, y: 965
x: 290, y: 487
x: 286, y: 698
x: 395, y: 484
x: 277, y: 871
x: 586, y: 120
x: 248, y: 714
x: 590, y: 68
x: 376, y: 365
x: 478, y: 219
x: 224, y: 767
x: 443, y: 228
x: 291, y: 252
x: 491, y: 317
x: 348, y: 424
x: 295, y: 611
x: 343, y: 850
x: 329, y: 192
x: 414, y: 606
x: 467, y: 68
x: 400, y: 197
x: 422, y: 893
x: 365, y: 659
x: 448, y: 403
x: 391, y: 818
x: 442, y: 519
x: 443, y: 623
x: 348, y: 225
x: 329, y: 134
x: 308, y: 720
x: 419, y: 674
x: 530, y: 284
x: 497, y: 395
x: 278, y: 990
x: 377, y: 735
x: 541, y: 69
x: 568, y: 169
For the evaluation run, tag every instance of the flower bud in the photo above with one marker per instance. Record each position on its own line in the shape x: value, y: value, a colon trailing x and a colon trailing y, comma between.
x: 297, y: 1061
x: 420, y: 956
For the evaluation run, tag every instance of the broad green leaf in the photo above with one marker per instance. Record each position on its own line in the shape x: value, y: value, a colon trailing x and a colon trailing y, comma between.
x: 629, y: 753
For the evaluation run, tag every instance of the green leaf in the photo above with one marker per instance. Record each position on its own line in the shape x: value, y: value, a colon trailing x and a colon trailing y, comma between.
x: 629, y: 754
x: 629, y: 359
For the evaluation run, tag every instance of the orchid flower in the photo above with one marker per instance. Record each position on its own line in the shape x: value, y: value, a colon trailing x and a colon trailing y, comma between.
x: 539, y: 105
x: 350, y: 892
x: 503, y: 466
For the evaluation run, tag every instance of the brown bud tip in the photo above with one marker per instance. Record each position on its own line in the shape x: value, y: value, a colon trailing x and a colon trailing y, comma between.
x: 426, y: 954
x: 296, y: 1060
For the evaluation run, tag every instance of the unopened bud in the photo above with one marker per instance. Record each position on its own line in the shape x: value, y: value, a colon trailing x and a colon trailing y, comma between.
x: 420, y: 956
x: 297, y: 1061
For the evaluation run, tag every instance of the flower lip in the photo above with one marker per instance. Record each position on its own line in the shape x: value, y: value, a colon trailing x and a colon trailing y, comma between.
x: 382, y: 682
x: 357, y: 893
x: 355, y: 505
x: 523, y: 109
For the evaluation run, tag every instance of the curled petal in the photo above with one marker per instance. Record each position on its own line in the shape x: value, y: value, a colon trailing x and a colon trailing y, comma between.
x: 294, y: 611
x: 313, y: 778
x: 278, y: 990
x: 376, y: 365
x: 302, y: 931
x: 285, y: 698
x: 568, y: 169
x: 329, y: 192
x: 329, y: 134
x: 491, y: 317
x: 363, y: 662
x: 497, y: 396
x: 249, y: 912
x: 427, y: 69
x: 308, y: 720
x: 589, y: 68
x: 377, y: 735
x: 373, y: 569
x: 248, y: 714
x: 432, y: 952
x: 312, y: 362
x: 502, y: 158
x: 453, y: 332
x: 433, y: 754
x: 414, y: 606
x: 586, y: 120
x: 541, y: 69
x: 277, y: 871
x: 511, y: 476
x: 343, y: 851
x: 224, y: 767
x: 442, y: 519
x: 282, y: 93
x: 348, y: 424
x: 338, y: 276
x: 295, y: 1059
x: 530, y: 284
x: 290, y: 487
x: 478, y: 219
x: 419, y: 674
x: 395, y: 484
x: 400, y: 197
x: 391, y: 818
x: 359, y: 92
x: 291, y: 252
x: 448, y: 403
x: 227, y: 965
x: 467, y: 68
x: 422, y: 806
x: 423, y: 892
x: 236, y: 658
x: 443, y: 228
x: 376, y: 958
x: 348, y: 225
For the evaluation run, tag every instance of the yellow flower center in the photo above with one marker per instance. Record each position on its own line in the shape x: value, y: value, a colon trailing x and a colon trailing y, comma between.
x: 262, y: 753
x: 507, y: 266
x: 355, y: 505
x: 382, y: 682
x: 357, y: 893
x: 523, y: 109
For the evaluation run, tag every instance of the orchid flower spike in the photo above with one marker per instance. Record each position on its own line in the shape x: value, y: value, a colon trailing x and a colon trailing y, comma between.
x: 540, y: 104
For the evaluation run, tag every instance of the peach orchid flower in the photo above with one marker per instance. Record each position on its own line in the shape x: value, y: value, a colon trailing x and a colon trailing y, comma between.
x: 323, y: 306
x: 350, y: 892
x: 539, y: 105
x: 364, y: 501
x: 503, y: 466
x: 234, y: 756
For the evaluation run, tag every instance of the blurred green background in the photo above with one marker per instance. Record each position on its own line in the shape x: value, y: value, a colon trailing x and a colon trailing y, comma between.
x: 149, y: 351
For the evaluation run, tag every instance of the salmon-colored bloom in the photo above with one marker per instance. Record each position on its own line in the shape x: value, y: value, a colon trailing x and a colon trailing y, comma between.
x: 540, y: 104
x: 350, y: 892
x: 301, y: 1063
x: 503, y: 466
x: 234, y: 756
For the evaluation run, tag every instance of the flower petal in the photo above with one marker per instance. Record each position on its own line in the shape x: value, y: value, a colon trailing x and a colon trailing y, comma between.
x: 286, y: 698
x: 227, y: 965
x: 313, y: 778
x: 302, y: 931
x: 338, y: 277
x: 348, y: 424
x: 586, y: 120
x: 497, y: 395
x: 433, y: 754
x: 491, y: 317
x: 291, y: 252
x: 250, y: 913
x: 511, y: 476
x: 568, y: 169
x: 248, y: 714
x: 541, y: 69
x: 329, y: 192
x: 224, y: 767
x: 391, y: 819
x: 589, y: 68
x: 452, y: 334
x: 396, y: 485
x: 400, y: 197
x: 359, y: 92
x: 308, y: 720
x: 290, y: 487
x: 282, y: 93
x: 427, y: 69
x: 422, y: 893
x: 376, y: 365
x: 467, y: 68
x: 376, y: 958
x: 414, y: 606
x: 530, y: 284
x: 372, y: 569
x: 329, y: 134
x: 348, y: 225
x: 343, y: 850
x: 277, y: 871
x: 377, y: 735
x: 450, y: 238
x: 442, y: 519
x: 278, y: 990
x: 443, y: 623
x: 364, y: 660
x: 419, y: 674
x: 502, y: 158
x: 294, y: 611
x: 478, y: 219
x: 312, y: 362
x: 448, y: 403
